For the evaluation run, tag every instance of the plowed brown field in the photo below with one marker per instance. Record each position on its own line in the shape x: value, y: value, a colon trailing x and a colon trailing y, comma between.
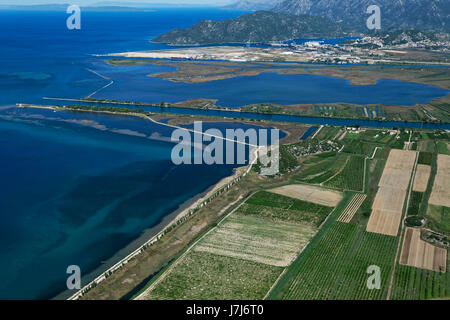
x: 420, y: 254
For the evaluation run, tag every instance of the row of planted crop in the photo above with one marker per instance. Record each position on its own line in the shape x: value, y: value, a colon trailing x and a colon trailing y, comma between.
x: 318, y: 273
x: 413, y: 283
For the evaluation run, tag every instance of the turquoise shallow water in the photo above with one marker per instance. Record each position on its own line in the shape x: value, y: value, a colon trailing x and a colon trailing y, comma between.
x: 74, y: 191
x: 71, y: 190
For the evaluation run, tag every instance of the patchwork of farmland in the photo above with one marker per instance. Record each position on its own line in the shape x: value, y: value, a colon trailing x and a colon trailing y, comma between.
x: 412, y: 283
x: 242, y: 257
x: 355, y: 146
x: 271, y: 246
x: 336, y: 268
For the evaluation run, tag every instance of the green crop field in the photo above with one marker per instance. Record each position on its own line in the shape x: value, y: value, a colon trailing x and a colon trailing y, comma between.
x: 355, y: 146
x: 425, y: 146
x: 443, y: 147
x: 277, y: 207
x: 440, y: 217
x: 200, y: 275
x: 351, y: 177
x: 336, y: 267
x: 417, y: 284
x: 322, y: 170
x: 310, y: 213
x: 271, y: 199
x: 414, y: 203
x: 222, y: 264
x: 425, y: 158
x: 330, y: 154
x: 314, y: 167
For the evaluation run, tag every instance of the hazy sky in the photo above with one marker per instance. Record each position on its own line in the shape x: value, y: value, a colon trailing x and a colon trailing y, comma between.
x: 90, y: 2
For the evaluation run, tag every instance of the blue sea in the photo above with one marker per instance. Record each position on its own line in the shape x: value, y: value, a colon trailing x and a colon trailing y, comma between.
x: 77, y: 188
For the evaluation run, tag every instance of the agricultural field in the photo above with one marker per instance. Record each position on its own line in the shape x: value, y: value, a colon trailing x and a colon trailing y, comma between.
x: 317, y: 170
x: 387, y: 207
x: 352, y: 208
x: 440, y: 194
x: 339, y: 214
x: 425, y: 158
x: 335, y: 268
x: 420, y: 254
x: 276, y: 207
x: 374, y: 172
x: 261, y: 236
x: 200, y: 275
x: 311, y: 146
x: 425, y: 146
x: 328, y: 133
x: 334, y: 264
x: 440, y: 217
x: 415, y: 201
x: 343, y: 172
x: 365, y: 141
x: 302, y: 212
x: 412, y: 283
x: 421, y: 178
x: 354, y: 144
x: 443, y: 147
x: 255, y: 239
x: 308, y: 193
x: 351, y: 177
